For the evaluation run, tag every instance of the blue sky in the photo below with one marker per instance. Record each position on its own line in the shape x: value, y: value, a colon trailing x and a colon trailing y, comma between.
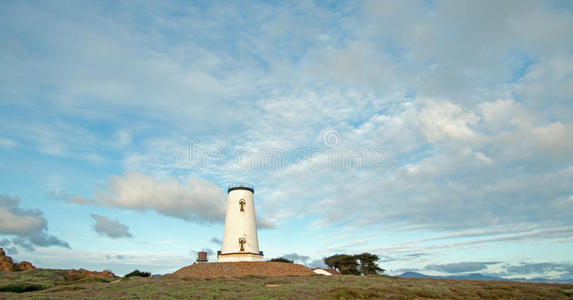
x: 436, y: 134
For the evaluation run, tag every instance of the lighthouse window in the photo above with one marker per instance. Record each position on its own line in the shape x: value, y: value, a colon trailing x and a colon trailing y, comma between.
x: 242, y: 242
x: 242, y: 204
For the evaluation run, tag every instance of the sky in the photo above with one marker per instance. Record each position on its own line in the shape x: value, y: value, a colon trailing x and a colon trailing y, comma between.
x: 435, y: 134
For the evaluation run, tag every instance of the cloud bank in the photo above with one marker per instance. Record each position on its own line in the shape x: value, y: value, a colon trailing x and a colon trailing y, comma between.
x: 192, y: 199
x: 565, y: 270
x: 461, y: 267
x: 28, y: 226
x: 476, y: 121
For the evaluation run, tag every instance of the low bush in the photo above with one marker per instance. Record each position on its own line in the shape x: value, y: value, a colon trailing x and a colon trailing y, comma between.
x: 282, y: 259
x: 21, y: 288
x: 137, y: 273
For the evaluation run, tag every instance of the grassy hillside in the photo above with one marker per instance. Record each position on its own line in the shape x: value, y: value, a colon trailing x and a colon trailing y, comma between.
x: 54, y: 284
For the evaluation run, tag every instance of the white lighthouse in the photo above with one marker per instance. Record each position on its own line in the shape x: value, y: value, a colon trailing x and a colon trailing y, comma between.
x: 240, y: 241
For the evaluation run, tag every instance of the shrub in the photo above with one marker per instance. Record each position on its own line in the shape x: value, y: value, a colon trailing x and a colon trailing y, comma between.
x: 361, y: 264
x: 345, y: 264
x: 282, y: 259
x: 137, y: 273
x: 21, y: 288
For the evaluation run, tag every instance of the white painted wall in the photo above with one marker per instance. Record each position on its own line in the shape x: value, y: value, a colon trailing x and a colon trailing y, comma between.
x: 321, y: 272
x: 240, y: 224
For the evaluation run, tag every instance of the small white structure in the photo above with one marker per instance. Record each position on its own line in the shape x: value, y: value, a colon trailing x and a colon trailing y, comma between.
x: 325, y: 272
x: 240, y: 241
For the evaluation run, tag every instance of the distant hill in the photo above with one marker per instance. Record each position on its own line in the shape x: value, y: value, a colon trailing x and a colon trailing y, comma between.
x: 475, y: 276
x: 478, y: 276
x: 414, y: 275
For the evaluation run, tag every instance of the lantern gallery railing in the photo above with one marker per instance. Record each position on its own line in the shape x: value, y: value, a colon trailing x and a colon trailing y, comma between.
x: 237, y: 186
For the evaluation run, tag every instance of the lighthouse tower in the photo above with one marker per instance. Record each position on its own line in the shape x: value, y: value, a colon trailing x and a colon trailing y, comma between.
x: 240, y: 241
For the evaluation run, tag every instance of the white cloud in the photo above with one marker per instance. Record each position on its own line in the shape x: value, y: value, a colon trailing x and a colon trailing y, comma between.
x: 460, y: 267
x: 192, y: 199
x: 503, y: 115
x: 28, y: 225
x: 165, y: 84
x: 110, y: 228
x: 123, y: 138
x: 538, y: 269
x: 464, y: 240
x: 59, y: 138
x: 444, y: 120
x: 470, y: 100
x: 17, y: 224
x: 550, y: 79
x: 555, y: 138
x: 7, y: 143
x: 468, y: 184
x: 447, y: 49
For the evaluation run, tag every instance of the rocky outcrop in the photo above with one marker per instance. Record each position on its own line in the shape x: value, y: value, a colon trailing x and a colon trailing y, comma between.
x: 6, y: 262
x: 8, y: 265
x: 24, y: 266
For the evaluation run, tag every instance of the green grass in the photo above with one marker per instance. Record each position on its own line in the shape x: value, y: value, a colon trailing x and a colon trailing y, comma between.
x: 568, y: 292
x: 57, y: 285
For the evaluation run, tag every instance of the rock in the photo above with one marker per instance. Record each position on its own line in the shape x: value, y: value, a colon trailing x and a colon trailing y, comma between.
x: 6, y: 262
x: 24, y: 266
x: 8, y: 265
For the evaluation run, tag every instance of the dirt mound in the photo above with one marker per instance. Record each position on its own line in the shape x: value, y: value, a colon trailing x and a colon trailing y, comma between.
x: 241, y: 269
x: 8, y: 265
